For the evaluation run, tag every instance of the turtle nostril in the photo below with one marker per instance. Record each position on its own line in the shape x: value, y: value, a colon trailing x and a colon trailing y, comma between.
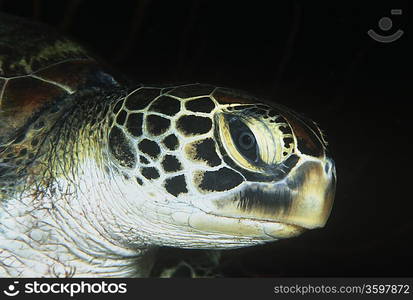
x: 329, y: 166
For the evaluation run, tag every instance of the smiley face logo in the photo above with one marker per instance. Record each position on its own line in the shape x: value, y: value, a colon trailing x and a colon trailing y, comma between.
x: 11, y: 290
x: 385, y: 24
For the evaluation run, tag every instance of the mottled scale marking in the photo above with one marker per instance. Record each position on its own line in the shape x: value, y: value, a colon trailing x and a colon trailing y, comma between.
x: 176, y: 185
x: 193, y: 90
x: 120, y: 148
x: 141, y: 98
x: 203, y: 151
x: 139, y: 181
x: 204, y: 105
x: 220, y: 180
x: 229, y: 96
x: 150, y: 173
x: 288, y: 141
x: 166, y: 105
x: 150, y: 148
x: 285, y: 129
x: 171, y: 142
x: 157, y: 125
x: 171, y: 164
x: 134, y: 124
x: 193, y: 125
x: 309, y: 137
x: 143, y: 160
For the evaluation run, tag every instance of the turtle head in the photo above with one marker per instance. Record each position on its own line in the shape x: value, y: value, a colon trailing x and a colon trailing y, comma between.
x: 215, y: 168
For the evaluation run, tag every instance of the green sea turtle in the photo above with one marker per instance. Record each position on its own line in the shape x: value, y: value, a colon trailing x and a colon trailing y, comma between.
x: 95, y: 174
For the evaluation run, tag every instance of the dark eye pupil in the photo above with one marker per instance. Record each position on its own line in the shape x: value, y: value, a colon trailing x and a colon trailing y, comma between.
x: 246, y: 140
x: 243, y: 139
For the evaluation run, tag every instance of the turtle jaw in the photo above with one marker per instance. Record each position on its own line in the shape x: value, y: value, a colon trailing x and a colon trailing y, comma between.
x: 312, y: 189
x: 303, y: 200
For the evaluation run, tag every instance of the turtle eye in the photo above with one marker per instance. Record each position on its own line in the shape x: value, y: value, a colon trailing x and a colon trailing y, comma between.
x: 240, y: 141
x: 244, y: 140
x: 250, y: 141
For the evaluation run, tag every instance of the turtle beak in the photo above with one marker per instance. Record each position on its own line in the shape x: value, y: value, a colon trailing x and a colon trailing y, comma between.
x: 312, y: 187
x: 302, y: 200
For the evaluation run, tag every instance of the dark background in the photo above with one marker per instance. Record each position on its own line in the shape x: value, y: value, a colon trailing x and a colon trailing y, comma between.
x: 315, y: 57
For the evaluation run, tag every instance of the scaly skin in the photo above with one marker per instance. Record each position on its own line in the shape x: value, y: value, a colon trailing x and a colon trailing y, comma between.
x: 57, y: 221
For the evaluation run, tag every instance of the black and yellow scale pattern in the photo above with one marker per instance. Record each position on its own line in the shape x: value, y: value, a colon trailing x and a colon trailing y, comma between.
x: 170, y: 136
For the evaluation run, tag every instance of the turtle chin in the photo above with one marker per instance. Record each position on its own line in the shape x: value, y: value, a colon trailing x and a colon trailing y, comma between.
x: 302, y: 200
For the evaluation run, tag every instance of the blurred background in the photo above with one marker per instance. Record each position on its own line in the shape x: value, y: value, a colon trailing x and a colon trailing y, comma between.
x: 316, y: 58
